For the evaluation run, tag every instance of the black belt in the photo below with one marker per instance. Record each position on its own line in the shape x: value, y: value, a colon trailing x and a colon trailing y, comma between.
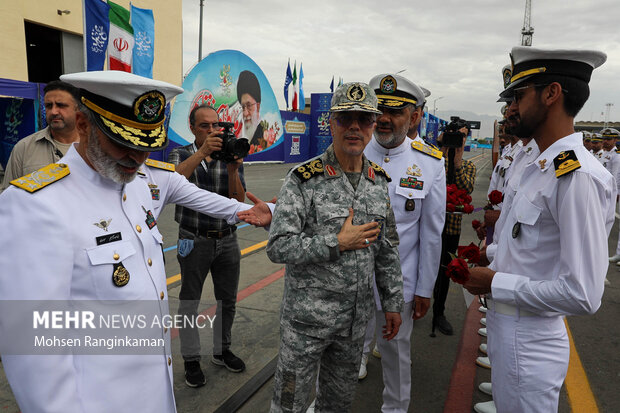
x: 214, y: 233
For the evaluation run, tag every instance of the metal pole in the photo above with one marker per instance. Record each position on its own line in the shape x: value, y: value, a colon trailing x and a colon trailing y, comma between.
x: 435, y: 104
x: 202, y: 2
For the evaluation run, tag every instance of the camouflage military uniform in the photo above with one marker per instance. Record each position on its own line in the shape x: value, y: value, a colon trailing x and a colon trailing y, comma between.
x: 328, y: 296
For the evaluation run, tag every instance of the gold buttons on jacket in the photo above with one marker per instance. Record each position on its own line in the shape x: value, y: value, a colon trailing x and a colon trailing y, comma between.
x: 124, y: 197
x: 116, y: 256
x: 161, y: 295
x: 150, y: 262
x: 386, y: 159
x: 138, y: 228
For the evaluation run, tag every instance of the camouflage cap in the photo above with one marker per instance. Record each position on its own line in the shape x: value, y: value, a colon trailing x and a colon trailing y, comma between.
x: 354, y: 96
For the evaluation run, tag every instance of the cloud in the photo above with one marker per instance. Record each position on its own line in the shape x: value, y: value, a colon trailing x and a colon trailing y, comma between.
x: 452, y: 47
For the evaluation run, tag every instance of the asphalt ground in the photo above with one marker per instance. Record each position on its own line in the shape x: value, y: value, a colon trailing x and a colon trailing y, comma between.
x: 439, y: 364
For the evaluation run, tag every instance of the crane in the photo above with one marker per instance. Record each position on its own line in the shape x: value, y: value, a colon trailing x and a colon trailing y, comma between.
x: 527, y: 31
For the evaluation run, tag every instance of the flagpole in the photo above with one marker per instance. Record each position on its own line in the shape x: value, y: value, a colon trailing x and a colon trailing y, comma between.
x: 85, y: 35
x: 202, y: 2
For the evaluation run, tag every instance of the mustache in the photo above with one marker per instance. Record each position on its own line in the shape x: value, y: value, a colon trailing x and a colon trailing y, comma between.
x: 128, y: 163
x: 384, y: 125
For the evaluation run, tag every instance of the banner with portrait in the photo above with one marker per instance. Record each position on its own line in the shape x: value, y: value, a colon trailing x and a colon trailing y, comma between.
x: 320, y: 133
x: 237, y: 88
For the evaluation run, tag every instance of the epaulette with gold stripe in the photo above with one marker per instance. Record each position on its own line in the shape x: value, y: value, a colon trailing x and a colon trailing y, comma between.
x: 41, y: 178
x: 380, y: 171
x: 617, y: 150
x: 425, y: 149
x: 309, y: 170
x: 160, y: 165
x: 565, y: 162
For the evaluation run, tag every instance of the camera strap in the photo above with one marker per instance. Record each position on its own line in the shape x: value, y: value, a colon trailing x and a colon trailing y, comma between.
x: 202, y: 162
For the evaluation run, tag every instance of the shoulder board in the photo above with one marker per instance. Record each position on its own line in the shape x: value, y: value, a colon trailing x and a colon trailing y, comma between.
x: 617, y: 150
x: 565, y: 162
x: 425, y: 149
x: 431, y: 145
x: 309, y: 170
x: 380, y: 171
x: 41, y: 178
x: 160, y: 165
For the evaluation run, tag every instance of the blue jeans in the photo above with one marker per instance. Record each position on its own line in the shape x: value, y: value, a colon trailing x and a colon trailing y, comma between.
x: 222, y: 258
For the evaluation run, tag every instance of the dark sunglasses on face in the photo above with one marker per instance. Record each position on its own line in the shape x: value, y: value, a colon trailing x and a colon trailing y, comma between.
x: 346, y: 119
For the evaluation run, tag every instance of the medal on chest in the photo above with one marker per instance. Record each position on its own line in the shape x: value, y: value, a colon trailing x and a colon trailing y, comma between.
x: 120, y: 275
x: 410, y: 205
x: 150, y: 219
x: 154, y: 192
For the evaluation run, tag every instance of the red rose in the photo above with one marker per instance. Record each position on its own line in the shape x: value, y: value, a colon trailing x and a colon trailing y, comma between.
x: 495, y: 197
x: 458, y: 271
x: 467, y: 199
x: 471, y: 253
x: 451, y: 188
x: 468, y: 208
x: 453, y: 200
x: 450, y: 207
x: 476, y: 224
x: 461, y: 193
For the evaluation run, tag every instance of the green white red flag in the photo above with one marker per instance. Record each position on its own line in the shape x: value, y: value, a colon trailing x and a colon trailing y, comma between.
x: 121, y: 40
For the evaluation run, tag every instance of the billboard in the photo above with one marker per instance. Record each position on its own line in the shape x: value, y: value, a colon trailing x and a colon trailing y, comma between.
x: 237, y: 88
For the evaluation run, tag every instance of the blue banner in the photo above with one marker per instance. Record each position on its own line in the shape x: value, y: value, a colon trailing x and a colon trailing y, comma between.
x: 144, y: 36
x: 96, y: 29
x: 320, y: 133
x: 296, y: 136
x: 18, y: 122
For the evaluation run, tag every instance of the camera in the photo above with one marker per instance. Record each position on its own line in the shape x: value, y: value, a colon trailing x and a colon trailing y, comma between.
x: 231, y: 146
x: 452, y: 136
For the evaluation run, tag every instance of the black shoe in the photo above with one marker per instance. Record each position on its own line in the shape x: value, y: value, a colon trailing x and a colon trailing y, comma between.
x: 194, y: 376
x: 443, y: 325
x: 230, y: 361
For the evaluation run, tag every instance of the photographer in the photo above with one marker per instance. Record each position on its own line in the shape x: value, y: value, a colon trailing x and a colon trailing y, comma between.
x: 464, y: 176
x: 208, y: 244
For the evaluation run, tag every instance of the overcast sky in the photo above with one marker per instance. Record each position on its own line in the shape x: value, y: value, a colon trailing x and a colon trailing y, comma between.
x: 454, y: 48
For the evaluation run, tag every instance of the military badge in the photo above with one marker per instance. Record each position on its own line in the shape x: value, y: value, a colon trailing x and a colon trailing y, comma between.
x: 120, y: 275
x: 412, y: 183
x: 106, y: 239
x: 150, y: 219
x: 388, y: 84
x: 565, y: 162
x: 410, y: 205
x: 356, y: 93
x: 507, y: 75
x: 414, y: 170
x: 148, y: 106
x: 331, y: 171
x: 381, y: 222
x: 154, y: 192
x: 103, y: 224
x: 311, y: 169
x: 371, y: 173
x: 542, y: 163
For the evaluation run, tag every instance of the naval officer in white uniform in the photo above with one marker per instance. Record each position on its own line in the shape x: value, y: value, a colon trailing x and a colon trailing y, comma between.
x: 85, y: 229
x: 418, y: 197
x: 550, y: 261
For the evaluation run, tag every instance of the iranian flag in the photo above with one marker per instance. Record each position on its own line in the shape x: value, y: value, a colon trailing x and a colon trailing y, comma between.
x: 121, y: 41
x: 295, y: 88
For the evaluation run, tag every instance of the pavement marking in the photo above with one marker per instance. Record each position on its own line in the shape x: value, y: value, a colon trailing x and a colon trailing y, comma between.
x: 241, y: 295
x: 463, y: 379
x: 245, y: 251
x: 580, y: 394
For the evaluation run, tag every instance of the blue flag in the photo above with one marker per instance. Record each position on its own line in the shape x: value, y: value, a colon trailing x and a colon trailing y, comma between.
x: 144, y: 35
x: 96, y: 29
x: 287, y: 81
x: 302, y: 100
x: 331, y: 85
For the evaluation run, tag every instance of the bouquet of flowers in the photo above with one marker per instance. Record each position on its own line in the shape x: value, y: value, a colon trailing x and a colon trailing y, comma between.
x: 458, y: 200
x: 466, y: 257
x: 495, y: 197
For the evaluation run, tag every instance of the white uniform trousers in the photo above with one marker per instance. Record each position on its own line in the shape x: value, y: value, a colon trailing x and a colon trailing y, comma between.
x: 529, y: 356
x: 396, y: 362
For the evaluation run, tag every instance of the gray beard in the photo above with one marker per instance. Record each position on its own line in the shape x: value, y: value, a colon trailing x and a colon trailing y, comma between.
x: 107, y: 166
x: 249, y: 130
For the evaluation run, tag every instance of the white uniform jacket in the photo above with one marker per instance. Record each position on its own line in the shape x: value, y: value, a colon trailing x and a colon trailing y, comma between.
x: 552, y: 254
x: 419, y: 229
x: 611, y: 162
x: 526, y: 155
x: 498, y: 176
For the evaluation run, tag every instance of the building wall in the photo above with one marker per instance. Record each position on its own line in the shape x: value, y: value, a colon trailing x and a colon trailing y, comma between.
x: 168, y: 64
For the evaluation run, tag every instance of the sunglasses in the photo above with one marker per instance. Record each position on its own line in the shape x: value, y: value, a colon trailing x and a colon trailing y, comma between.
x: 364, y: 120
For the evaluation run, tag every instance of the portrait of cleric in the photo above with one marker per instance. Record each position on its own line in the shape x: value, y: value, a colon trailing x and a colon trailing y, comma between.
x: 249, y: 96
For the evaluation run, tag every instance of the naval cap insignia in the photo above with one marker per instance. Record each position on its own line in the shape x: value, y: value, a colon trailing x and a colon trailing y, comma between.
x: 356, y: 93
x: 148, y: 106
x: 103, y: 224
x: 388, y: 84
